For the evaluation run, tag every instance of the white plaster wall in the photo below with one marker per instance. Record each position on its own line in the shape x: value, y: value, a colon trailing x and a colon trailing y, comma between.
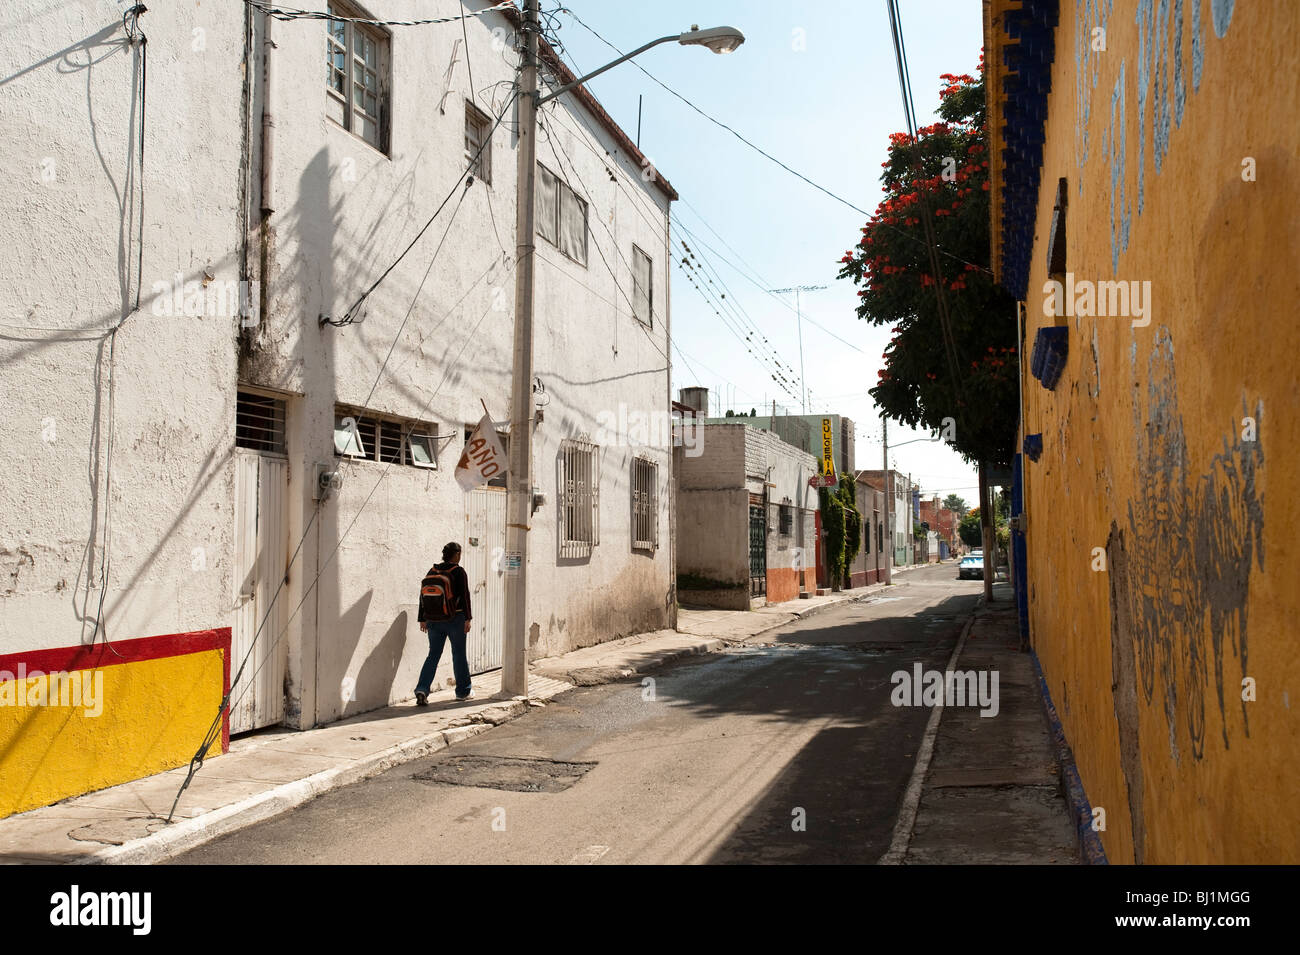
x: 343, y: 212
x: 69, y: 143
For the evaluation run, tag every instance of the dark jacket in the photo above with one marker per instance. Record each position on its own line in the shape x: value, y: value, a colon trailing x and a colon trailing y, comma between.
x: 459, y: 589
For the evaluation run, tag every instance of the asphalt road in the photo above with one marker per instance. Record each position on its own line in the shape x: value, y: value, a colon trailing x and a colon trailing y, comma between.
x: 784, y: 751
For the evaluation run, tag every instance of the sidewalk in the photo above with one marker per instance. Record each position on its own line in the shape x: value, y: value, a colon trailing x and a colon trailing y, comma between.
x: 268, y: 773
x: 991, y: 793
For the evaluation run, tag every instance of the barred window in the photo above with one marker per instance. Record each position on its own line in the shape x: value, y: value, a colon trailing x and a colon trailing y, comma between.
x: 579, y: 494
x: 365, y: 437
x: 645, y: 504
x: 259, y: 422
x: 786, y: 515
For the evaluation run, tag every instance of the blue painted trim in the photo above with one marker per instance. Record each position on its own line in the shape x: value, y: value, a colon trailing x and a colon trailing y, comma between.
x: 1090, y: 847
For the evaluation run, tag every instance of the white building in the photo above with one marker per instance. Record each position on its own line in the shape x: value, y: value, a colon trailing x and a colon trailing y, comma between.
x: 164, y: 455
x: 746, y: 518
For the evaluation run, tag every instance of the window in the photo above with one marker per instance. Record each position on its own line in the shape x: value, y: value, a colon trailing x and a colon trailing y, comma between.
x: 354, y: 435
x: 642, y: 297
x: 385, y: 440
x: 356, y: 78
x: 785, y: 519
x: 421, y: 450
x: 561, y: 215
x: 259, y: 422
x: 478, y: 143
x: 579, y: 494
x: 645, y: 501
x: 547, y: 216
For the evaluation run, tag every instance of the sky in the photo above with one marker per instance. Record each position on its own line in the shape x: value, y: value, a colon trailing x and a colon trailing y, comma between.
x: 815, y: 86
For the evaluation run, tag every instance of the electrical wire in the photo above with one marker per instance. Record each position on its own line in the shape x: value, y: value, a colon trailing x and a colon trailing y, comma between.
x: 291, y: 13
x: 131, y: 24
x: 349, y: 317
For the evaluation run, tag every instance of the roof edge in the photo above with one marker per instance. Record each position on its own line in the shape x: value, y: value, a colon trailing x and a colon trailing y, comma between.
x: 552, y: 59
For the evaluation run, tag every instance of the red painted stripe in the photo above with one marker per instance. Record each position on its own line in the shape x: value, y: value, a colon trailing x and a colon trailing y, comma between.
x: 86, y: 657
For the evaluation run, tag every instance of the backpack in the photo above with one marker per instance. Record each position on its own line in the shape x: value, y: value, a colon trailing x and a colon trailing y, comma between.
x: 436, y: 600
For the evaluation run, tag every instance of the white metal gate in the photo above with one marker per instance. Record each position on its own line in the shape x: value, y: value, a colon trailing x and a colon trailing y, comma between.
x: 483, y: 558
x: 261, y: 552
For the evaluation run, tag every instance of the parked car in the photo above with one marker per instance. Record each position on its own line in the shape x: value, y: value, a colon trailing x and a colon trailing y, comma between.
x: 971, y: 567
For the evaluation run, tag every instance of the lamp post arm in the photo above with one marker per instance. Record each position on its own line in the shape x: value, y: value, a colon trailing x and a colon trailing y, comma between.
x: 608, y: 66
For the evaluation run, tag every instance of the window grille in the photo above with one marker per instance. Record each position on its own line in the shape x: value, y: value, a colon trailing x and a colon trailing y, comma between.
x: 259, y: 423
x: 786, y: 515
x: 645, y: 499
x: 579, y: 493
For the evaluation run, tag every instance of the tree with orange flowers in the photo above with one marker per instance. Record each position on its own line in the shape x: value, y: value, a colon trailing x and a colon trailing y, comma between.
x: 942, y: 174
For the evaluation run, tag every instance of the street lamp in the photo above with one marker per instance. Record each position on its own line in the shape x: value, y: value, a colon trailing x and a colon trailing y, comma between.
x: 514, y: 663
x: 717, y: 39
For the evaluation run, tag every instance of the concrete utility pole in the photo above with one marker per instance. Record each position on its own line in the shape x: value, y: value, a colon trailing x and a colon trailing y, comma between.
x: 889, y: 528
x: 519, y: 486
x: 519, y: 481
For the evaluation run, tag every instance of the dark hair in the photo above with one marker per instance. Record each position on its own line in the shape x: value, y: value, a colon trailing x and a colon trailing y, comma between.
x: 450, y: 550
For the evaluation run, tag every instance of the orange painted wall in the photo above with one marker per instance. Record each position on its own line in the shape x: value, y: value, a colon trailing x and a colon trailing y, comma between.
x: 782, y: 584
x: 1148, y: 457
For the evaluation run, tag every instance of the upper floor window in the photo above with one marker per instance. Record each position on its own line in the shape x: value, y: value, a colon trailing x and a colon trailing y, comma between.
x: 642, y: 295
x: 356, y: 83
x: 561, y: 215
x: 478, y: 143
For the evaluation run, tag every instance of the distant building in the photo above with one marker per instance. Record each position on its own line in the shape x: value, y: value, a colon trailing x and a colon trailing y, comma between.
x: 746, y: 518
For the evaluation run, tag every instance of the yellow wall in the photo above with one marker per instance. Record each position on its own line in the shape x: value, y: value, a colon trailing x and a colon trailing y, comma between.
x: 1143, y: 451
x: 154, y: 714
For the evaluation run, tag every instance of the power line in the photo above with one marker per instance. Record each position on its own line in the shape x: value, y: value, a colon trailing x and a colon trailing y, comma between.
x: 350, y: 315
x: 716, y: 122
x: 292, y: 13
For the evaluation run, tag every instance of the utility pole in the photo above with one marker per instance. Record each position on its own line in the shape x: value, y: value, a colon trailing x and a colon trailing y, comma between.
x: 519, y: 480
x: 519, y: 486
x: 889, y: 528
x: 798, y: 314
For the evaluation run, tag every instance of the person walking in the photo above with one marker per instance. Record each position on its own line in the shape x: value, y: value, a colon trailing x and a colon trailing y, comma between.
x: 445, y: 614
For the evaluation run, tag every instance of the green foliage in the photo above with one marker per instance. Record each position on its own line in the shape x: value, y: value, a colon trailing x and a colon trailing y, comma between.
x: 955, y: 503
x: 943, y: 176
x: 832, y: 509
x: 969, y: 529
x: 852, y: 525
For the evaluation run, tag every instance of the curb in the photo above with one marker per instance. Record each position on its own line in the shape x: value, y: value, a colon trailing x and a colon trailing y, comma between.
x: 1091, y: 850
x: 905, y: 825
x: 190, y: 833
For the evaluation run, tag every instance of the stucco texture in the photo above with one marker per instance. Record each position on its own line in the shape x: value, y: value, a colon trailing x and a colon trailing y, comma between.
x: 1162, y: 513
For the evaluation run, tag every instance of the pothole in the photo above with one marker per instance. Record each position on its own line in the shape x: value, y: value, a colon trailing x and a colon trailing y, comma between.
x: 520, y: 774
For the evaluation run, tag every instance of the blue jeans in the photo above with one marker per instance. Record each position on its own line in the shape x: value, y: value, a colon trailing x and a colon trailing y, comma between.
x: 440, y: 631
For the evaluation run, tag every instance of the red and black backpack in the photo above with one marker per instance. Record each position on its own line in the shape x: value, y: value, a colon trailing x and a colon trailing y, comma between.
x: 436, y: 595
